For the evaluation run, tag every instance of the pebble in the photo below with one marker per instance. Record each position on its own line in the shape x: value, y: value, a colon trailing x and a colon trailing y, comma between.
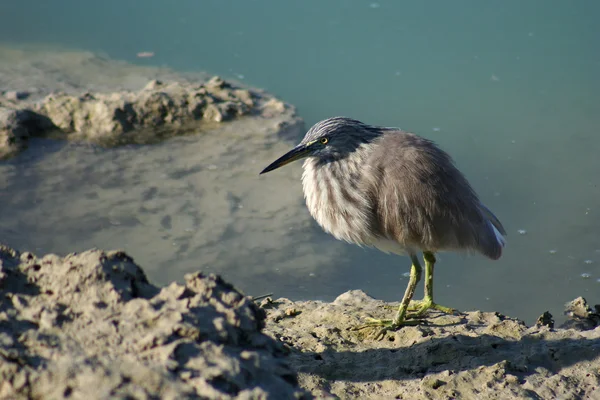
x: 16, y: 95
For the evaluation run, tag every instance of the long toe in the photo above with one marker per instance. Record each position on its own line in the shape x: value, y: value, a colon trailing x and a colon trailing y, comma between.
x: 420, y: 307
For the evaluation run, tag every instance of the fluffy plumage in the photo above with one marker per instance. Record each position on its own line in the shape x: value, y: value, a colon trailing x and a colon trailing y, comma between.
x: 394, y: 190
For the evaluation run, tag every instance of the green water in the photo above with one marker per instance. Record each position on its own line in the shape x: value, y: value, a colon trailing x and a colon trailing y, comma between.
x: 509, y: 88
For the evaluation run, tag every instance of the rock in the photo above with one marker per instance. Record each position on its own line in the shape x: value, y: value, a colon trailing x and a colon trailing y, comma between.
x: 16, y: 95
x: 476, y: 355
x: 13, y: 134
x: 17, y: 126
x: 274, y: 107
x: 156, y: 111
x: 176, y: 104
x: 545, y: 319
x: 93, y: 99
x: 90, y: 325
x: 581, y: 315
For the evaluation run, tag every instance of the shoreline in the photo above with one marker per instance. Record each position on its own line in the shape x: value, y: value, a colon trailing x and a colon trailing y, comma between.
x: 92, y: 320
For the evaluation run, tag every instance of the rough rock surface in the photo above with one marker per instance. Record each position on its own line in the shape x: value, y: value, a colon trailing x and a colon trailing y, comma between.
x: 472, y: 356
x: 156, y: 105
x: 79, y: 95
x: 158, y: 110
x: 17, y: 126
x: 90, y: 326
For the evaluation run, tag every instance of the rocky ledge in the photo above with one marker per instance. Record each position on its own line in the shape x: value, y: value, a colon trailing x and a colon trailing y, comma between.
x: 157, y: 111
x: 90, y: 325
x: 476, y: 355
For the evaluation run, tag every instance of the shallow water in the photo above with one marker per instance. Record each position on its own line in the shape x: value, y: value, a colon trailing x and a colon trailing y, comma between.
x: 509, y: 88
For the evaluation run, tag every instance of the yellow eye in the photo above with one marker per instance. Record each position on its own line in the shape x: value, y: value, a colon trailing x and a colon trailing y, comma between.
x: 324, y: 140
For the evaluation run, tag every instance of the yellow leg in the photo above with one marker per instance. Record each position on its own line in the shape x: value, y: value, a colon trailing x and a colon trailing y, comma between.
x: 421, y: 306
x: 400, y: 318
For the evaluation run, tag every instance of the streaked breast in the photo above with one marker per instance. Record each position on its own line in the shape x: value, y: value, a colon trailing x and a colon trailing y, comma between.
x: 335, y: 199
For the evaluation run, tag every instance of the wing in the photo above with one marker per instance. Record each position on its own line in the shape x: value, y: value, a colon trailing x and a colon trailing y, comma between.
x: 420, y: 198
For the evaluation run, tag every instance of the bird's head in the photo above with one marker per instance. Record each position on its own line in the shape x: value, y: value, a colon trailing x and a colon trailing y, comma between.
x: 330, y: 139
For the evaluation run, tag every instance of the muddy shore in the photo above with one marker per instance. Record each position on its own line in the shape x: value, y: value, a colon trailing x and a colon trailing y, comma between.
x: 90, y: 325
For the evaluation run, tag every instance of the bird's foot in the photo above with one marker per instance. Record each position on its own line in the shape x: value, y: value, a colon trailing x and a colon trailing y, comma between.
x: 382, y: 326
x: 420, y: 307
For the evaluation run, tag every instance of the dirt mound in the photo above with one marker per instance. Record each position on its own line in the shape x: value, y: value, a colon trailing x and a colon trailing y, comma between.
x: 90, y: 325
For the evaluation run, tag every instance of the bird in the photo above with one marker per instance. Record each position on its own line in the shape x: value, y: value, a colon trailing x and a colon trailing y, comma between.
x: 395, y: 191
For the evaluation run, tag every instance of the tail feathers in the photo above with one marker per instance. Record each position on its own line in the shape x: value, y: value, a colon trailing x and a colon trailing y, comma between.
x: 499, y: 237
x: 494, y: 241
x: 493, y: 219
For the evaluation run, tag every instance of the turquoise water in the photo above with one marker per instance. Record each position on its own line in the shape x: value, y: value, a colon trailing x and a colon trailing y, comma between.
x: 509, y: 88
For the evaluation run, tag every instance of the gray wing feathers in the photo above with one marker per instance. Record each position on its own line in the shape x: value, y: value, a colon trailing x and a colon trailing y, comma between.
x: 422, y: 200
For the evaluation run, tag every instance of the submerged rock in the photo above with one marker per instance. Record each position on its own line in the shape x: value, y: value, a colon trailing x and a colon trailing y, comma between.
x: 90, y: 325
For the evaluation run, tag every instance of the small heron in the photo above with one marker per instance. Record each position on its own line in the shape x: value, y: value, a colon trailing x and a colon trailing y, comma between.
x: 395, y: 191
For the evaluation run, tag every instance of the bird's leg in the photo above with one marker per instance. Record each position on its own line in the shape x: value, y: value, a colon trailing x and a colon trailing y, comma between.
x: 421, y: 306
x: 400, y: 318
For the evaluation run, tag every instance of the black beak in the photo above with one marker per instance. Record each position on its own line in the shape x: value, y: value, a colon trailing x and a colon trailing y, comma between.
x: 296, y: 153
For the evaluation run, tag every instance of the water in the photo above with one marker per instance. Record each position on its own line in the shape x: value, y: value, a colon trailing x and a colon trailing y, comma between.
x: 509, y: 88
